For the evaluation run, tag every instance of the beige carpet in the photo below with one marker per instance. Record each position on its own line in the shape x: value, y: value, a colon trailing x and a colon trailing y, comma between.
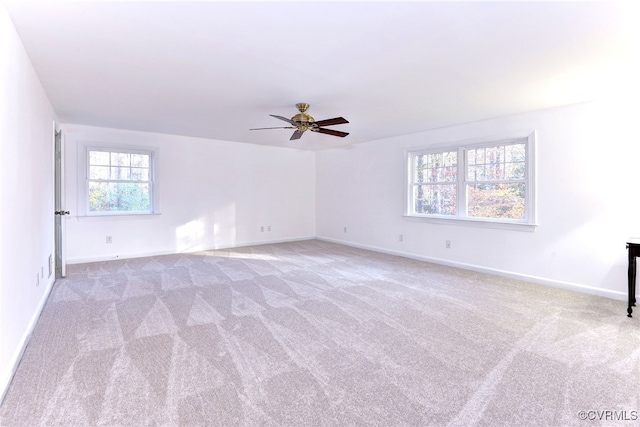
x: 317, y: 334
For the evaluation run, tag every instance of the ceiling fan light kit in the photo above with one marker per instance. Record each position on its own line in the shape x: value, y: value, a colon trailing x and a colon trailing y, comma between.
x: 303, y: 122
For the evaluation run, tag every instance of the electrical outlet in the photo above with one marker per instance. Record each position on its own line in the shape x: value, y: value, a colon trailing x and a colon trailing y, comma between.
x: 269, y: 228
x: 345, y: 229
x: 401, y: 238
x: 109, y: 239
x: 448, y: 244
x: 262, y: 229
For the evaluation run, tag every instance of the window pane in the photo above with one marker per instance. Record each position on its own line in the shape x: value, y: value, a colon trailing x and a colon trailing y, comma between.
x: 139, y: 174
x: 99, y: 158
x: 494, y: 154
x: 436, y: 167
x: 506, y: 162
x: 450, y: 158
x: 98, y: 172
x: 120, y: 159
x: 514, y: 170
x: 494, y: 171
x: 475, y: 173
x: 433, y: 175
x: 514, y: 153
x: 451, y: 173
x: 140, y: 160
x: 438, y: 199
x: 419, y: 168
x: 471, y: 157
x: 434, y: 160
x: 120, y: 173
x: 119, y: 197
x: 496, y: 200
x: 445, y: 174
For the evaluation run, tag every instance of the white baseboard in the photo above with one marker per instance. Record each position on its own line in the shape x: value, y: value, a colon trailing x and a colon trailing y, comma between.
x: 607, y: 293
x: 10, y: 370
x: 101, y: 258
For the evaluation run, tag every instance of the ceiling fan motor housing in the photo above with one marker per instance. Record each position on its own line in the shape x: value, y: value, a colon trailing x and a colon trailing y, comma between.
x: 303, y: 118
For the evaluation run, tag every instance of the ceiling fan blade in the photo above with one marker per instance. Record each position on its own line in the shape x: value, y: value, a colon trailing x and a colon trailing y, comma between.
x: 331, y: 132
x: 284, y: 118
x: 296, y: 135
x: 334, y: 121
x: 280, y: 127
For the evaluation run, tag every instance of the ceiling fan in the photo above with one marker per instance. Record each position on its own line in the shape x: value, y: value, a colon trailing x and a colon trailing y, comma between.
x: 302, y: 122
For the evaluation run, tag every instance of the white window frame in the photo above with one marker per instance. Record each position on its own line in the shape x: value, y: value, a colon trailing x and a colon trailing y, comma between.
x: 461, y: 217
x: 83, y: 178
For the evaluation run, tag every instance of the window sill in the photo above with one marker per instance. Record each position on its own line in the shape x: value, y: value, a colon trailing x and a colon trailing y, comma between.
x: 117, y: 217
x: 482, y: 223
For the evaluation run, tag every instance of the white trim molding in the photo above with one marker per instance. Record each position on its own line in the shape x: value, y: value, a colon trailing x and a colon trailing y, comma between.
x: 576, y: 287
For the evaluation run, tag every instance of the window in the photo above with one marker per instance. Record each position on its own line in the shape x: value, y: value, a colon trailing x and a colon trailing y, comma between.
x: 489, y: 181
x: 118, y: 181
x: 495, y: 181
x: 435, y: 183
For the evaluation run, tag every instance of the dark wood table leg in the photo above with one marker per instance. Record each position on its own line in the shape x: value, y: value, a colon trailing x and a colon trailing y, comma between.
x: 632, y: 280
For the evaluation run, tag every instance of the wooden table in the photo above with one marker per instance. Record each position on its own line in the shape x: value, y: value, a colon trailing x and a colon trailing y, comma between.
x: 633, y: 245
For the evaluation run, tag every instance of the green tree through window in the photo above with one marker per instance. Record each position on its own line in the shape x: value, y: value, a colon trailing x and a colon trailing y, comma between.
x: 119, y: 181
x: 495, y: 182
x: 435, y: 184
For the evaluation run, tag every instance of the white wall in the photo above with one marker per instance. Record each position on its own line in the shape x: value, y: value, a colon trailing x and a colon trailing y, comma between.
x: 218, y: 194
x: 587, y: 158
x: 26, y: 197
x: 212, y: 194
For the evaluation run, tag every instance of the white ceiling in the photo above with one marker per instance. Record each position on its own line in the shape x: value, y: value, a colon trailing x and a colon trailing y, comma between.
x: 215, y: 69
